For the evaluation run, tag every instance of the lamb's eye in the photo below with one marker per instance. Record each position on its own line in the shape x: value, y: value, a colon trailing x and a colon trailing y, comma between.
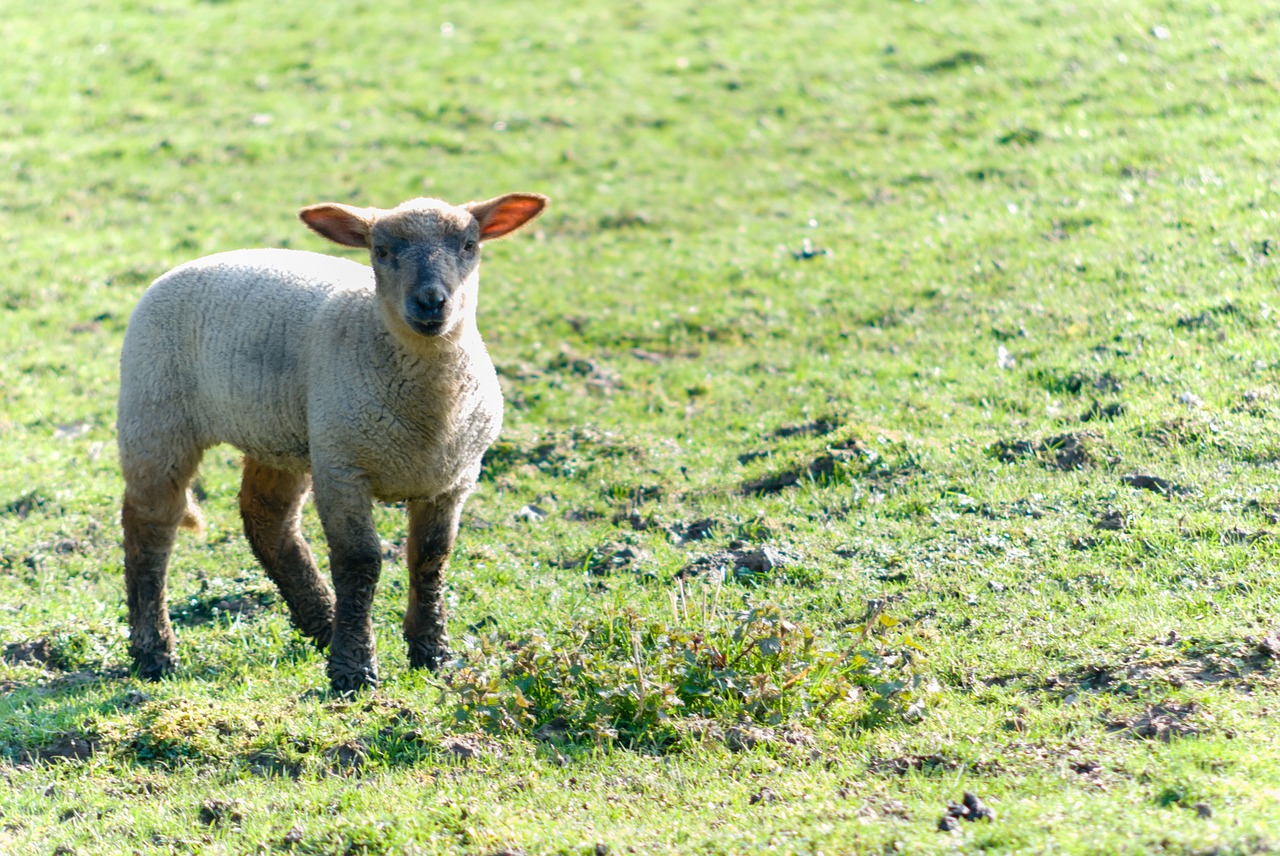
x: 381, y: 252
x: 469, y: 247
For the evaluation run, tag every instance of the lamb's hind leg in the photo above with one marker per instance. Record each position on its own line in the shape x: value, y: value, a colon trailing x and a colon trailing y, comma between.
x: 271, y: 507
x: 155, y: 504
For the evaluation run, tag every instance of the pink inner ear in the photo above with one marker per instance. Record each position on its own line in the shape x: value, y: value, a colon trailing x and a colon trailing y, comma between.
x: 337, y: 224
x: 511, y: 214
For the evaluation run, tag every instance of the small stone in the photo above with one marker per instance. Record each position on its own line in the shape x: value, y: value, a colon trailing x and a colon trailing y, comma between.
x: 765, y: 795
x: 531, y: 513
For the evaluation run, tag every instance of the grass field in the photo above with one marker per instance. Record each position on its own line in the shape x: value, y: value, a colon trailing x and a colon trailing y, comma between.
x: 891, y: 414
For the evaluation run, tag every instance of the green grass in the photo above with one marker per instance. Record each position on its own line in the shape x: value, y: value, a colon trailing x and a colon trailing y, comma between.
x: 902, y: 292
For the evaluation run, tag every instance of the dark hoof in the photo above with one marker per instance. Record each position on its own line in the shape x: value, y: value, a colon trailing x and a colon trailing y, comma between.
x: 353, y: 681
x: 423, y: 656
x: 155, y: 665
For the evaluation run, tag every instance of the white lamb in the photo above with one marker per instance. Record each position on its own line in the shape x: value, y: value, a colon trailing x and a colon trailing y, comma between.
x: 362, y: 383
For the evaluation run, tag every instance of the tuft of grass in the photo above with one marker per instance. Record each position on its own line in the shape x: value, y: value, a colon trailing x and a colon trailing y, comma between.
x: 633, y: 683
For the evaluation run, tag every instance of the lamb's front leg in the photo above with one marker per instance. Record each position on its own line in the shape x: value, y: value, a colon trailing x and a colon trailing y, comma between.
x: 433, y: 526
x: 355, y: 561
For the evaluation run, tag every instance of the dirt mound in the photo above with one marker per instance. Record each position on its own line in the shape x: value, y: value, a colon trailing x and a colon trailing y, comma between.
x: 1070, y: 451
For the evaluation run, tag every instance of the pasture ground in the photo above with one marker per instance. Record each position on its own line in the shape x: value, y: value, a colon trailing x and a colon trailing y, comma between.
x: 892, y: 394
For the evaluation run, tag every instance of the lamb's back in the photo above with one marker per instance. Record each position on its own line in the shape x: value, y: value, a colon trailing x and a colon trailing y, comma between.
x: 221, y: 346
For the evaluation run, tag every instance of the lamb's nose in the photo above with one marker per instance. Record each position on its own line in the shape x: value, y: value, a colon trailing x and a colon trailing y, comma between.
x: 430, y: 304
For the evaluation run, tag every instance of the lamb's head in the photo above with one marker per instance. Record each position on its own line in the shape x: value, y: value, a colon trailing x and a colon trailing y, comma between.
x: 425, y: 253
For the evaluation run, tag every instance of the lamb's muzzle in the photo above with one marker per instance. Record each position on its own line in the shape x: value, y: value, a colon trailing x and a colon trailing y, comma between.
x: 360, y: 383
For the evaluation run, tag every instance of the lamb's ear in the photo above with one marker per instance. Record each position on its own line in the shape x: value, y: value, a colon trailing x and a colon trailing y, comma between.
x: 502, y: 215
x: 341, y: 224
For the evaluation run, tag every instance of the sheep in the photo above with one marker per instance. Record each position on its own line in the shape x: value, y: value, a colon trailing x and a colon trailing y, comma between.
x: 359, y: 382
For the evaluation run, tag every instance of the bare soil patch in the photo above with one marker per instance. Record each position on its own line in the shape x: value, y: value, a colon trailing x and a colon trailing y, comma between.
x: 197, y: 610
x: 738, y: 560
x: 72, y: 746
x: 1070, y: 451
x: 1155, y: 484
x: 818, y: 468
x: 1160, y: 722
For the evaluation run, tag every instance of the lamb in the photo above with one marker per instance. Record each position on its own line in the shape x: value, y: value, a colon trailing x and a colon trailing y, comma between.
x: 361, y: 383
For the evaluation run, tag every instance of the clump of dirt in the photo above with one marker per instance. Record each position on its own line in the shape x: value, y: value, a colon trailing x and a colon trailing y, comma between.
x: 269, y: 765
x: 470, y: 748
x: 583, y: 515
x: 1177, y: 662
x: 37, y: 651
x: 970, y: 808
x: 1208, y: 318
x: 738, y: 560
x: 217, y: 812
x: 27, y: 503
x: 84, y: 677
x: 1155, y: 484
x: 1105, y: 412
x: 598, y: 377
x: 903, y: 764
x: 1268, y: 645
x: 553, y: 731
x: 746, y: 736
x: 1268, y: 509
x: 199, y: 609
x: 1243, y: 536
x: 819, y: 468
x: 958, y: 60
x: 68, y: 747
x: 607, y: 558
x: 132, y: 699
x: 560, y: 454
x: 1176, y: 431
x: 1112, y: 520
x: 1160, y: 722
x: 347, y: 759
x: 1255, y: 402
x: 1073, y: 383
x: 817, y: 428
x: 698, y: 530
x: 1070, y: 451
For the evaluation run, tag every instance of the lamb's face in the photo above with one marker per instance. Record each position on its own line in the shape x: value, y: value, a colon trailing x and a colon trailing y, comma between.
x: 425, y: 255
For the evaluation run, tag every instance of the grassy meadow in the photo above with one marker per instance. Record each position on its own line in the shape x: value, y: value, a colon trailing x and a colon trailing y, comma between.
x: 891, y: 415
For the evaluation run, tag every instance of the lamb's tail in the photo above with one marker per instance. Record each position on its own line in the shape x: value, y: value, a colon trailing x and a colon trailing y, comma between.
x: 191, y: 516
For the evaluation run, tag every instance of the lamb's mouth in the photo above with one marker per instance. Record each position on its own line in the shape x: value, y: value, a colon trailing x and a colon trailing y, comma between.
x: 426, y: 328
